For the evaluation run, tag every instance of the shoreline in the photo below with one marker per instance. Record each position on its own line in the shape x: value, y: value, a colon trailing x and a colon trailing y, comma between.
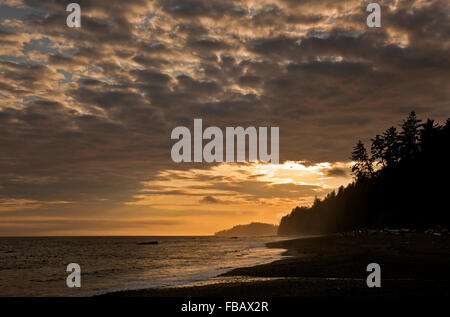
x: 219, y: 272
x: 333, y: 265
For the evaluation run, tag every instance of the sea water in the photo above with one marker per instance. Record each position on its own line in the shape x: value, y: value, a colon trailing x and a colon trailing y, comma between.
x: 36, y: 266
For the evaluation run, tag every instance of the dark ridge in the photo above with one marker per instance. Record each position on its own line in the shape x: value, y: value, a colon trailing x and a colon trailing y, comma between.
x: 401, y: 183
x: 251, y: 229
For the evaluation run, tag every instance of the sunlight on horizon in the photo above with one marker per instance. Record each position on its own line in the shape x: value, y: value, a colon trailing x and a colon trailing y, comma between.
x: 291, y: 183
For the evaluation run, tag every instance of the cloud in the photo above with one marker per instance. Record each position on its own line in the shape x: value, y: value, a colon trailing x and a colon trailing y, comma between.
x: 337, y: 172
x: 23, y: 204
x: 211, y: 200
x: 86, y: 114
x: 239, y: 185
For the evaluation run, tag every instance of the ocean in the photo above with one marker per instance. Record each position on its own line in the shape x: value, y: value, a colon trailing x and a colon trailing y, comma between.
x: 36, y: 266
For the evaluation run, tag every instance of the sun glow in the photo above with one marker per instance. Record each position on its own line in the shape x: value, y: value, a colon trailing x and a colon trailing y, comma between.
x: 243, y: 183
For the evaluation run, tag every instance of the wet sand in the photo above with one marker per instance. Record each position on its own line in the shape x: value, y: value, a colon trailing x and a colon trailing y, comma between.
x: 412, y: 264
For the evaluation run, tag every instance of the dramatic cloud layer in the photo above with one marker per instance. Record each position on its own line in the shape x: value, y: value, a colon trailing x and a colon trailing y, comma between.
x: 86, y: 113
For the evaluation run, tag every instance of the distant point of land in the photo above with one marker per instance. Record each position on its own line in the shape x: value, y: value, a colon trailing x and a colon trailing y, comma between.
x: 251, y: 229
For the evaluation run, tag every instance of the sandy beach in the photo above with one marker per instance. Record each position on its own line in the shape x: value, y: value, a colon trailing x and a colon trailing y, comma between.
x: 412, y: 264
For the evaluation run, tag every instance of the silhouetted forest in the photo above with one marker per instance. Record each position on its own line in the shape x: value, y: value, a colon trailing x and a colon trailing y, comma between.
x: 402, y: 181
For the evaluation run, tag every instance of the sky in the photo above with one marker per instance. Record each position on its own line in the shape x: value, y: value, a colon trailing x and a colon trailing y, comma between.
x: 86, y: 113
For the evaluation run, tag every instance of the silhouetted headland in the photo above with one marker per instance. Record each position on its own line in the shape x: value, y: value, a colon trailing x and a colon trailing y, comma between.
x: 251, y: 229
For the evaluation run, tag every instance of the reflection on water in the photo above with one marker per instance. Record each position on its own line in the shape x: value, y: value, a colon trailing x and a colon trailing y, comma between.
x: 37, y: 266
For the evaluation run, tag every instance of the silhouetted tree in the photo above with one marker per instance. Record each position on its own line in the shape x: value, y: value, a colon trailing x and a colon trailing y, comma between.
x: 428, y: 133
x: 363, y: 163
x: 410, y: 136
x: 404, y: 192
x: 392, y: 150
x: 378, y: 149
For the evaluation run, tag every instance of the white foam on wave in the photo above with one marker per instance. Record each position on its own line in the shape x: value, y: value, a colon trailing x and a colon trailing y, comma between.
x: 258, y: 254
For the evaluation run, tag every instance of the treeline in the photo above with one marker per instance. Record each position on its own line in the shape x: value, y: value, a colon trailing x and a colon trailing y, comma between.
x: 402, y: 181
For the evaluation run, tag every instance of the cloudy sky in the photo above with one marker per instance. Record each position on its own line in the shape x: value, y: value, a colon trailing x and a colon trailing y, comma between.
x: 86, y: 113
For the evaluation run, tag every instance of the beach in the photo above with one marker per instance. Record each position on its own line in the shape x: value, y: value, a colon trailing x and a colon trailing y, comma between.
x: 412, y: 264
